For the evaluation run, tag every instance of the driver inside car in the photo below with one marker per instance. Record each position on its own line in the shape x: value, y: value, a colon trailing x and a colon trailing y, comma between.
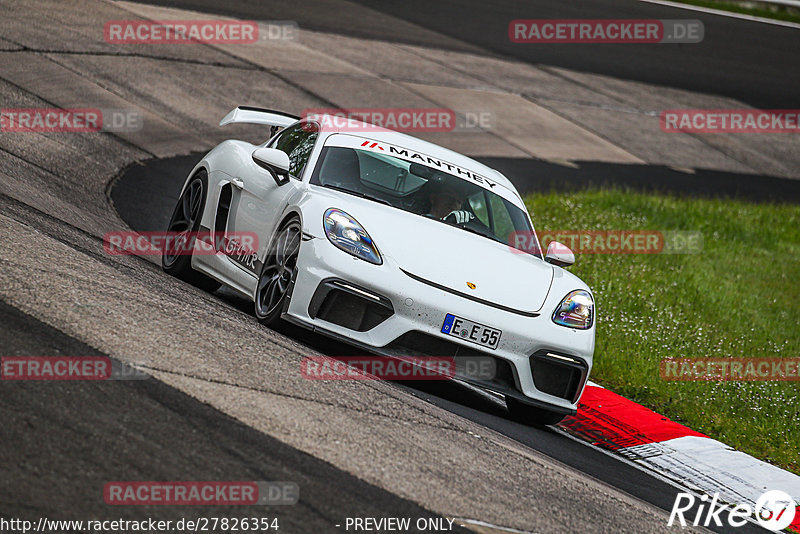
x: 445, y: 203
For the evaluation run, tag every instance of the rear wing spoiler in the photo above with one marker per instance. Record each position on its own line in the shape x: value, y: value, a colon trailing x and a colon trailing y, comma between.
x: 250, y: 115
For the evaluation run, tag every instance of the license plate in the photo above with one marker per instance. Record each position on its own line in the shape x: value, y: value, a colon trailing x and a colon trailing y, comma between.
x: 477, y: 333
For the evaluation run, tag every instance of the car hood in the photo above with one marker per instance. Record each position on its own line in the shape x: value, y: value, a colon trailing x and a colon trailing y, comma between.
x: 453, y: 258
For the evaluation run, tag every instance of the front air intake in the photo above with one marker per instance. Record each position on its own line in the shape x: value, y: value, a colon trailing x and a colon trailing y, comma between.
x: 349, y: 306
x: 558, y: 375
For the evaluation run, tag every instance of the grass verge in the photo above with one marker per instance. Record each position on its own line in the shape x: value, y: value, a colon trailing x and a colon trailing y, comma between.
x: 739, y: 297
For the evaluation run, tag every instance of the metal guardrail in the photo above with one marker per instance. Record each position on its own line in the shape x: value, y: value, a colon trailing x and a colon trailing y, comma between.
x: 790, y: 3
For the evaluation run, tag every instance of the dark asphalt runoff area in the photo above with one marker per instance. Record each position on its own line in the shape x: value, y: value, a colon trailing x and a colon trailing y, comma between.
x: 144, y: 196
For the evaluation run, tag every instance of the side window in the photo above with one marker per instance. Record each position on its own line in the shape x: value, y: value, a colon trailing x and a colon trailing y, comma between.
x: 298, y: 142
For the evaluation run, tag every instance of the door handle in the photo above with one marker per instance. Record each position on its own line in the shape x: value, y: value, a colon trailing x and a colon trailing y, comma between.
x: 237, y: 183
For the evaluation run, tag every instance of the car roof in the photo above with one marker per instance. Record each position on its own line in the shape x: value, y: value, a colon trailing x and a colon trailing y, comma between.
x: 358, y: 128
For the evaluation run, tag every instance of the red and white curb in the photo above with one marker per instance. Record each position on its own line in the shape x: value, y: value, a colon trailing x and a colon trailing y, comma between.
x: 675, y: 451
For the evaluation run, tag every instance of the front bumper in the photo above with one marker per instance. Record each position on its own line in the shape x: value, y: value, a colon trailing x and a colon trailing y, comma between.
x: 406, y: 318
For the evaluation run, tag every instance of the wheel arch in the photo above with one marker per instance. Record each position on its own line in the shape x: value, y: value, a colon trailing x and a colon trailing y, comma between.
x: 290, y: 213
x: 202, y: 166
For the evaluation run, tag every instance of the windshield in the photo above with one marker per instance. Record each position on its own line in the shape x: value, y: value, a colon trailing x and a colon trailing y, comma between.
x: 422, y: 190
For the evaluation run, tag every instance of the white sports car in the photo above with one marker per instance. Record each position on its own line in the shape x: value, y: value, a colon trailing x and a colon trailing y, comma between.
x: 396, y: 246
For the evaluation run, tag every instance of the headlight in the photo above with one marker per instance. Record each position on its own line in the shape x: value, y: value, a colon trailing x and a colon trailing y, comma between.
x: 345, y: 233
x: 576, y: 310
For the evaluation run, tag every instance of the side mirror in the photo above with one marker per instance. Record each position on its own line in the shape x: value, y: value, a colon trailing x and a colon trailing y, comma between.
x: 275, y: 161
x: 559, y: 254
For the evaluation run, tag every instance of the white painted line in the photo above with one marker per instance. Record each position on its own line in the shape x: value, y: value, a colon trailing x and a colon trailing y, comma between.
x: 724, y: 13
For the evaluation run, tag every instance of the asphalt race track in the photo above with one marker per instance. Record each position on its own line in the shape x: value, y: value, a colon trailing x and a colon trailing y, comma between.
x: 762, y: 72
x: 224, y: 399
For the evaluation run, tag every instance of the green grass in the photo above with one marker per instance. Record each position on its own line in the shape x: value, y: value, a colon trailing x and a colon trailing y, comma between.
x: 739, y: 297
x: 755, y: 9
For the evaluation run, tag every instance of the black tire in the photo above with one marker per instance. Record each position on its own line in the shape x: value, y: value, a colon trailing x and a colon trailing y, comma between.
x: 531, y: 415
x: 185, y: 219
x: 278, y: 269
